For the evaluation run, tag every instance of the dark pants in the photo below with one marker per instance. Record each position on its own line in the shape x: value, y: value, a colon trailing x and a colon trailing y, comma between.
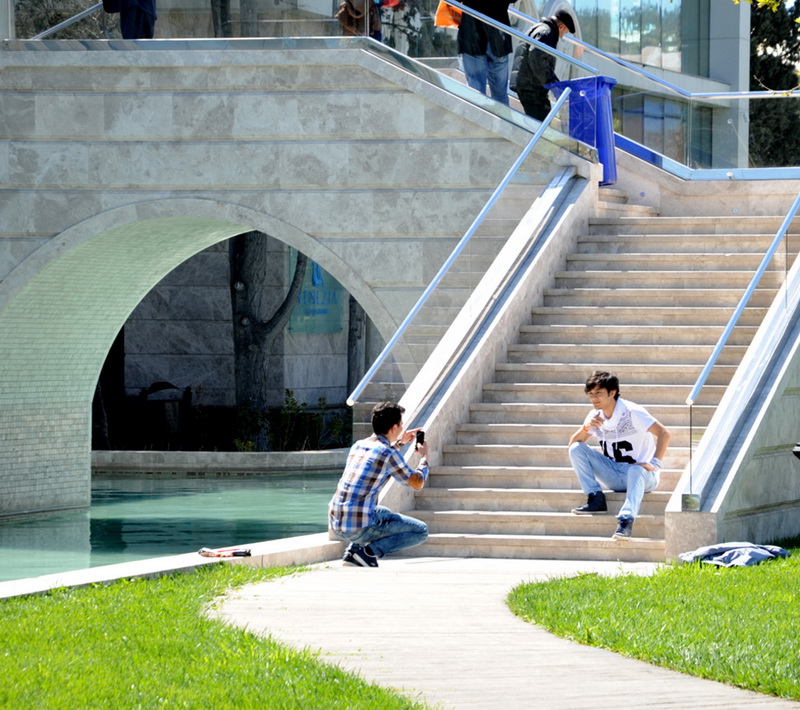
x: 535, y: 102
x: 136, y: 24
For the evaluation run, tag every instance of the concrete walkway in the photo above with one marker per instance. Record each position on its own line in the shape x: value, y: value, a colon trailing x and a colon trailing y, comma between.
x: 438, y: 630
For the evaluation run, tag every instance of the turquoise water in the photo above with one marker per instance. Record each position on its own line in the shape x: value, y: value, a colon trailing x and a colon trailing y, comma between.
x: 132, y: 518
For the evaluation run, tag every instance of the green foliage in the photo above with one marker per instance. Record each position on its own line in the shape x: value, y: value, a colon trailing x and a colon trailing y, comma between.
x: 774, y: 56
x: 148, y: 644
x: 737, y: 625
x: 297, y: 427
x: 294, y: 427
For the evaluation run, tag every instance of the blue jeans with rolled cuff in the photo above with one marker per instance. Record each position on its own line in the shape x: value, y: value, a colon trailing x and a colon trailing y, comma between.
x: 391, y: 532
x: 596, y: 470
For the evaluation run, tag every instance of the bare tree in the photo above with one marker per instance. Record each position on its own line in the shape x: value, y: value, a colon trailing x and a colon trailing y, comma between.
x: 257, y: 333
x: 221, y: 18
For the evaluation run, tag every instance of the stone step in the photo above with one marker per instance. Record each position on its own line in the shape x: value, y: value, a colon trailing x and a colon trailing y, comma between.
x: 654, y: 297
x: 481, y: 522
x: 612, y: 194
x: 529, y: 454
x: 631, y: 374
x: 543, y: 547
x: 676, y: 243
x: 688, y: 225
x: 640, y: 335
x: 632, y: 354
x: 504, y: 433
x: 627, y: 209
x: 553, y: 477
x: 635, y: 315
x: 556, y: 393
x: 700, y: 261
x: 666, y: 279
x: 573, y: 414
x: 528, y: 500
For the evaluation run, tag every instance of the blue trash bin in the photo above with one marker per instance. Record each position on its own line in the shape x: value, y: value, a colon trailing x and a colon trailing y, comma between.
x: 590, y: 117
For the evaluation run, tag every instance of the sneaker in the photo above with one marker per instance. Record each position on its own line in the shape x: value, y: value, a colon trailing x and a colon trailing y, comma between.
x: 624, y: 529
x: 595, y: 503
x: 357, y: 556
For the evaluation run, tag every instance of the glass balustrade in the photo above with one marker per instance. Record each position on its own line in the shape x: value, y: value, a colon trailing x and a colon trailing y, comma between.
x: 652, y: 117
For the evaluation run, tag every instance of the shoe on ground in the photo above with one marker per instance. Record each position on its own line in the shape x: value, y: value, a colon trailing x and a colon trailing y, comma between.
x: 359, y: 557
x: 624, y: 529
x: 595, y: 503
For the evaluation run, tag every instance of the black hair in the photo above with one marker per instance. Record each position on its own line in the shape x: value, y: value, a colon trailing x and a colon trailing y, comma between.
x: 604, y: 380
x: 385, y: 415
x: 565, y: 19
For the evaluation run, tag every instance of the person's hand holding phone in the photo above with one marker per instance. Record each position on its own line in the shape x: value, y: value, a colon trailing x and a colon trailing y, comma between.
x: 421, y: 447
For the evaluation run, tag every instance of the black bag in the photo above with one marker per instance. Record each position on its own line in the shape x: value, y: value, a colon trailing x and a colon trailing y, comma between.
x: 112, y: 6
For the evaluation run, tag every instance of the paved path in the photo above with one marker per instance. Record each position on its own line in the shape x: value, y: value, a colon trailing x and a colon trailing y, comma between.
x: 438, y: 629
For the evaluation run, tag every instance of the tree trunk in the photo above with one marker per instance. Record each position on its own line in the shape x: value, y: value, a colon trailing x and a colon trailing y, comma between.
x: 258, y: 326
x: 356, y: 345
x: 221, y: 17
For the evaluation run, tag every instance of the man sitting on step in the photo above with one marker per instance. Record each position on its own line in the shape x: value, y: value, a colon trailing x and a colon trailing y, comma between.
x: 373, y: 530
x: 633, y: 445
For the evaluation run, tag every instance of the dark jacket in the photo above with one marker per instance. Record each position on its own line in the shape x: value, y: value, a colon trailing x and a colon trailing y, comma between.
x: 148, y: 6
x: 474, y: 36
x: 532, y: 68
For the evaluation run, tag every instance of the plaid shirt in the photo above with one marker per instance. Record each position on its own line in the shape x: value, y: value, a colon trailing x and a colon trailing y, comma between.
x: 369, y: 464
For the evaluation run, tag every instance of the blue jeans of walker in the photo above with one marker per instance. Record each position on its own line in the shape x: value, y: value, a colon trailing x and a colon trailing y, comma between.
x: 390, y: 532
x: 488, y: 68
x: 595, y: 470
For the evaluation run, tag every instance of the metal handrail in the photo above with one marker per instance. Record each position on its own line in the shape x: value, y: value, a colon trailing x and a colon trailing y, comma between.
x: 361, y: 386
x: 571, y: 39
x: 71, y: 21
x: 762, y: 267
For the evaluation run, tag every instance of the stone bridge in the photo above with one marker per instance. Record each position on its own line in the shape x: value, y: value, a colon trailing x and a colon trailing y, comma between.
x: 119, y: 163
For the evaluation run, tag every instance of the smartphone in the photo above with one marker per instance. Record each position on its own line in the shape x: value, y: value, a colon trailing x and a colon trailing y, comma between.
x: 420, y: 437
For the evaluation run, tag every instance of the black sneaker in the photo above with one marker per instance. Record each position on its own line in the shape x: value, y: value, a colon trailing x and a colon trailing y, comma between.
x: 624, y: 528
x: 357, y: 556
x: 595, y: 503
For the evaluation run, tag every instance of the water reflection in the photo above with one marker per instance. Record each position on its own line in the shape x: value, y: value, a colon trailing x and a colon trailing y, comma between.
x: 136, y: 518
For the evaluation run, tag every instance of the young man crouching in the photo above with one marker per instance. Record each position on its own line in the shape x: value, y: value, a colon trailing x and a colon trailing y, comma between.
x: 372, y: 530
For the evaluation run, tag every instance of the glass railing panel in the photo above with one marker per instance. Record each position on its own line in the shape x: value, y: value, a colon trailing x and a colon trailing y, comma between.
x: 494, y: 245
x: 78, y: 19
x: 734, y: 369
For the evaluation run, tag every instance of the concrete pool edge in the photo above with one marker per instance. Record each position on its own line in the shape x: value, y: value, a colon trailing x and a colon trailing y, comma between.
x: 300, y: 550
x: 219, y: 463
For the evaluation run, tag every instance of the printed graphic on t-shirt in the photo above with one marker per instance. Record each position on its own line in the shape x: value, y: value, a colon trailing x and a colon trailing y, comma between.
x: 617, y: 450
x: 628, y: 440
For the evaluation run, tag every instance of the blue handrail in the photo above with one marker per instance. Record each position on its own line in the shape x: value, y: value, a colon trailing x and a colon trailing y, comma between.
x: 353, y: 398
x: 571, y: 39
x: 701, y: 380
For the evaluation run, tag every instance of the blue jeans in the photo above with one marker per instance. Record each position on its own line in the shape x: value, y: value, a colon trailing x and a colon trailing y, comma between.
x: 389, y: 533
x: 488, y: 68
x: 594, y: 469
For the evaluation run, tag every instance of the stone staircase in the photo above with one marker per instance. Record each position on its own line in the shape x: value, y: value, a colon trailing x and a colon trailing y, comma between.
x: 642, y: 295
x: 444, y: 304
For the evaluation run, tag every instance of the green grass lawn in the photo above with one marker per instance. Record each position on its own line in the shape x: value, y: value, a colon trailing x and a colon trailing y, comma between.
x: 148, y: 644
x: 735, y: 625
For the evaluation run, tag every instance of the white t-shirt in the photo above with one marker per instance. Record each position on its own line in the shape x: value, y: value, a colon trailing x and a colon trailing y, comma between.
x: 624, y: 437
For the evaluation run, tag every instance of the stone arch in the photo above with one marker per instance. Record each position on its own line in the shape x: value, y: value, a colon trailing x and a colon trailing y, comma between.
x: 61, y: 309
